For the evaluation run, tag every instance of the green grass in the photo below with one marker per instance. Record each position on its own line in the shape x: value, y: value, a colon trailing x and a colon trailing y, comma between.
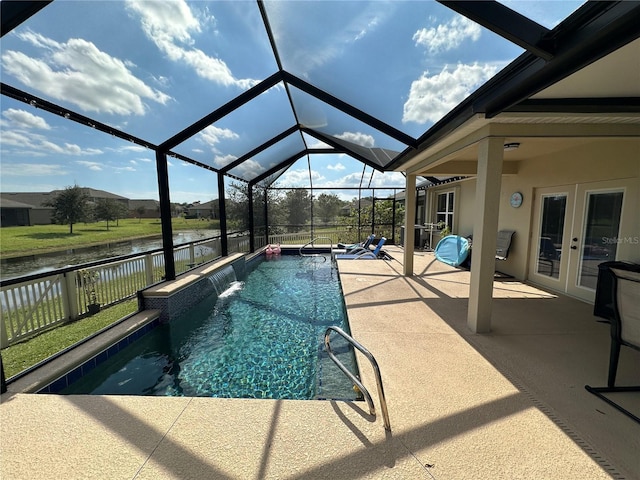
x: 21, y: 356
x: 17, y: 241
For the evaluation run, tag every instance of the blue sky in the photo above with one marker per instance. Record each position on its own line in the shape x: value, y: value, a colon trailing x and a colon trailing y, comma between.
x: 152, y: 68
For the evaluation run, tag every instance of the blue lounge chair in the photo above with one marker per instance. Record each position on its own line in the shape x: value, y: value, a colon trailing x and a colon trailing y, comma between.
x: 363, y: 253
x: 353, y: 246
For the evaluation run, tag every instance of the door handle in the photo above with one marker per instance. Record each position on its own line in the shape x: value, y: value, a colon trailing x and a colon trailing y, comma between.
x: 573, y: 247
x: 574, y: 239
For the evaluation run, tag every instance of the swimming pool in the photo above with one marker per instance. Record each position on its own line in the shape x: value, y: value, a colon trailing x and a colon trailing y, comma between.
x: 261, y: 338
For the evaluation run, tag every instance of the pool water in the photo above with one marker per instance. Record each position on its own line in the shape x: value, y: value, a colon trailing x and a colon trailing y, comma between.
x: 261, y: 338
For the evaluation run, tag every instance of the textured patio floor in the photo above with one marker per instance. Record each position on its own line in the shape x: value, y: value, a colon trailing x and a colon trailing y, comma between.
x: 510, y: 404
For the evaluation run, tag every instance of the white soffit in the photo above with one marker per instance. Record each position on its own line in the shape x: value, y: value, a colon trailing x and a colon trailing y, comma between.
x: 616, y: 75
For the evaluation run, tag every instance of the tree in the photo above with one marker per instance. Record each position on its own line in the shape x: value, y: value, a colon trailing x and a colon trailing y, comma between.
x: 328, y: 206
x: 297, y: 207
x: 237, y: 206
x: 69, y: 206
x: 140, y: 211
x: 109, y: 210
x: 123, y: 212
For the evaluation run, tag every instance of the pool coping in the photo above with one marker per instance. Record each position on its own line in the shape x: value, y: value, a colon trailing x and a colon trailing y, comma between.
x: 64, y: 365
x: 172, y: 287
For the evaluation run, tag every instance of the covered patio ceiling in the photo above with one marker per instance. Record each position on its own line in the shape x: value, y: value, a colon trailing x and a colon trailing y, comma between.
x: 263, y: 86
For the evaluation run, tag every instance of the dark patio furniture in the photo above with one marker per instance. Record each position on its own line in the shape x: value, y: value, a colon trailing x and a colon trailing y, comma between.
x: 625, y: 330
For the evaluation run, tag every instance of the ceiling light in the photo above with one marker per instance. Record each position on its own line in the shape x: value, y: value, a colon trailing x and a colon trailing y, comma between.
x: 511, y: 146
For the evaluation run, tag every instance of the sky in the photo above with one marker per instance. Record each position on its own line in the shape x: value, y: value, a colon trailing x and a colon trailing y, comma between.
x: 153, y: 68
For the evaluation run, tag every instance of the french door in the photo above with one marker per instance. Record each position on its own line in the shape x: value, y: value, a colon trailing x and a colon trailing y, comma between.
x: 576, y: 227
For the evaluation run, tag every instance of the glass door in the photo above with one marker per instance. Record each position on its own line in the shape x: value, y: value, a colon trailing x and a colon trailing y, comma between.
x: 553, y: 208
x: 595, y: 237
x: 575, y: 229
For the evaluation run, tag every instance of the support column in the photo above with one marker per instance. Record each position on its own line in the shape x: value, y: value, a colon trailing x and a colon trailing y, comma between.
x: 252, y: 233
x: 409, y: 224
x: 224, y: 243
x: 165, y: 215
x: 485, y: 229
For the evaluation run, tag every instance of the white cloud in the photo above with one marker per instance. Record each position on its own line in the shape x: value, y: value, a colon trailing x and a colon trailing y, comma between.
x: 213, y: 135
x: 122, y: 169
x: 170, y: 26
x: 388, y: 179
x: 95, y: 166
x: 358, y: 138
x: 337, y: 167
x: 132, y: 148
x: 299, y: 178
x: 432, y: 97
x: 24, y: 119
x: 78, y: 72
x: 447, y: 36
x: 248, y: 169
x: 221, y: 161
x: 41, y: 146
x: 31, y: 169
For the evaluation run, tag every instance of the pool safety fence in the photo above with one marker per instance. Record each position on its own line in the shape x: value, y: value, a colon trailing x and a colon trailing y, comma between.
x: 40, y: 302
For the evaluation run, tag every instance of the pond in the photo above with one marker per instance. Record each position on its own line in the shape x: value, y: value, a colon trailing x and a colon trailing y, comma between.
x: 45, y: 262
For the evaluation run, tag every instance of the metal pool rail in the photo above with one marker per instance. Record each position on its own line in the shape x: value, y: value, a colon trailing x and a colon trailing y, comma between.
x: 374, y: 364
x: 301, y: 251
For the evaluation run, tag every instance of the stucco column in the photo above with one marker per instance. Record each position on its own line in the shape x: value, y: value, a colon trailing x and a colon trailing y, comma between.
x: 485, y: 229
x: 409, y: 224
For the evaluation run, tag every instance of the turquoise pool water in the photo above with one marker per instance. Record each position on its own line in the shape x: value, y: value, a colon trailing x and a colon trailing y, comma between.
x: 262, y: 338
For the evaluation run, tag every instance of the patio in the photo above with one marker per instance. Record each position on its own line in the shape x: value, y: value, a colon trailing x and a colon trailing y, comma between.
x: 508, y: 404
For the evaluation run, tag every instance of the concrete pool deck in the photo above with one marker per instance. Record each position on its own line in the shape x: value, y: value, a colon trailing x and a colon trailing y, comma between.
x: 509, y: 404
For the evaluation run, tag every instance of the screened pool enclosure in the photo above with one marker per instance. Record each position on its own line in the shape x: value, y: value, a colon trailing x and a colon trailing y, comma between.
x: 253, y: 102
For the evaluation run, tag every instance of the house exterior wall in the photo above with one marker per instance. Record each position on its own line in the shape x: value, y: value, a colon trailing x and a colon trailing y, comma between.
x: 41, y: 216
x: 597, y: 160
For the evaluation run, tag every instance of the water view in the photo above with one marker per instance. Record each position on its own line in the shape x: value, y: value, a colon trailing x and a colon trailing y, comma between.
x: 45, y: 262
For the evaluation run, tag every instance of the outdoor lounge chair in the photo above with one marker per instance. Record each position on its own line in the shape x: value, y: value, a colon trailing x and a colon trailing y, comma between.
x: 363, y: 253
x: 625, y: 330
x: 353, y: 246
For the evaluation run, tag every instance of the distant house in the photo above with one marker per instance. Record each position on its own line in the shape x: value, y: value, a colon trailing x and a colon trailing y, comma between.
x: 25, y: 208
x: 30, y: 208
x: 14, y: 213
x: 203, y: 210
x: 144, y: 208
x: 354, y: 206
x: 97, y: 195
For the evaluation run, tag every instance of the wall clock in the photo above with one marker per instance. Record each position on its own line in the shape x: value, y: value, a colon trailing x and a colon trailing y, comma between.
x: 516, y: 199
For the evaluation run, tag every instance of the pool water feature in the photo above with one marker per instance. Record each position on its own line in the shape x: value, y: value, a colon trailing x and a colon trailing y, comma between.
x: 258, y: 338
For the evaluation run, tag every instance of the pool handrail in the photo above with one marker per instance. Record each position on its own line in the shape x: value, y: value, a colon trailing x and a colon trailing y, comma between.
x: 352, y: 377
x: 311, y: 242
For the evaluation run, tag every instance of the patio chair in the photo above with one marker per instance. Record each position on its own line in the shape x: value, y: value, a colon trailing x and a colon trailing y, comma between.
x: 503, y: 243
x: 625, y: 330
x: 363, y: 253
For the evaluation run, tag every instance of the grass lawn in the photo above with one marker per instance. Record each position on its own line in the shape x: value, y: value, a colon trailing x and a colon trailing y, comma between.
x: 21, y: 356
x: 17, y: 241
